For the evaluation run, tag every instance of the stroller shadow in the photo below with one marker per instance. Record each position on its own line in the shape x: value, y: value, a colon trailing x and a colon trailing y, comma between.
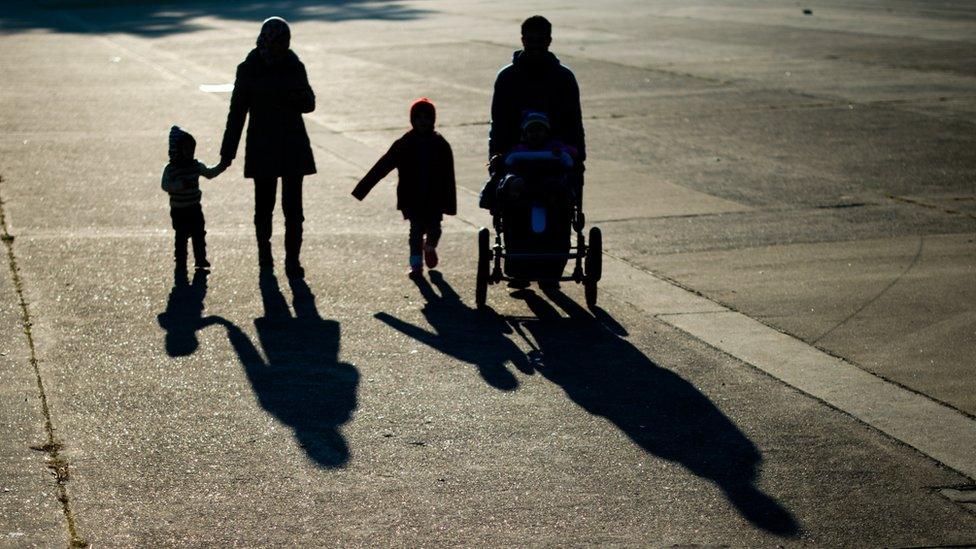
x: 470, y: 335
x: 657, y: 409
x: 300, y: 382
x: 183, y: 316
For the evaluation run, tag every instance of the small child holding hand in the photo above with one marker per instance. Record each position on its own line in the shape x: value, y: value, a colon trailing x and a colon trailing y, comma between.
x: 181, y: 179
x: 426, y: 189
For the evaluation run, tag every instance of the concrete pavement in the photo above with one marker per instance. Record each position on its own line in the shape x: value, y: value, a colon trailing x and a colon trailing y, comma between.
x: 363, y: 409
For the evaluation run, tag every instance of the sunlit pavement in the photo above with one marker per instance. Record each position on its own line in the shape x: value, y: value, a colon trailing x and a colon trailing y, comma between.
x: 750, y: 162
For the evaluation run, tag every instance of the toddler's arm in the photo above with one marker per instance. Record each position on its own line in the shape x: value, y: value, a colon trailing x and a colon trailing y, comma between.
x: 211, y: 173
x: 170, y: 183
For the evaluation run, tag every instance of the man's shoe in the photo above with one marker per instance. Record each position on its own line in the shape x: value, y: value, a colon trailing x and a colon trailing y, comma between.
x: 549, y: 285
x: 518, y: 283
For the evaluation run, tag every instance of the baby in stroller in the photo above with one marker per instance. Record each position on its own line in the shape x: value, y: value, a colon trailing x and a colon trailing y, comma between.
x: 531, y: 200
x: 536, y: 156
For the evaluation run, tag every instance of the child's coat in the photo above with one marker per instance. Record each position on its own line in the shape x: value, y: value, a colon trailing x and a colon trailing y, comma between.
x: 425, y: 167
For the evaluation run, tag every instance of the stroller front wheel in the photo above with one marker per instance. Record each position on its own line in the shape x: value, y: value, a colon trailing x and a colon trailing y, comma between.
x: 484, y: 262
x: 593, y: 266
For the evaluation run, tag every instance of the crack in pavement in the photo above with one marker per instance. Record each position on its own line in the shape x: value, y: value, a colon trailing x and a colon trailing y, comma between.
x: 51, y: 447
x: 845, y: 320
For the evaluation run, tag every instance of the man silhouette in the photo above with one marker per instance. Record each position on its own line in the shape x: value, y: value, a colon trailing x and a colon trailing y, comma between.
x: 535, y: 80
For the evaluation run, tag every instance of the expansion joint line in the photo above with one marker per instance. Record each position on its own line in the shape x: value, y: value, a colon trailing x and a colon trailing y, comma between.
x: 51, y: 447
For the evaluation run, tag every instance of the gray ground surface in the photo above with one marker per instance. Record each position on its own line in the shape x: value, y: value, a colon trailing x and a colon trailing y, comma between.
x: 813, y: 172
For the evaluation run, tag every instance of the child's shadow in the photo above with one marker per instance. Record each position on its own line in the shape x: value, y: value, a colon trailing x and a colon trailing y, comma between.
x: 658, y: 410
x: 183, y: 316
x: 470, y: 335
x: 301, y: 382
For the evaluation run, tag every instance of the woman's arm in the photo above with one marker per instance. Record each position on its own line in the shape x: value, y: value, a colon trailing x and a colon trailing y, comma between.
x: 303, y: 98
x: 240, y: 102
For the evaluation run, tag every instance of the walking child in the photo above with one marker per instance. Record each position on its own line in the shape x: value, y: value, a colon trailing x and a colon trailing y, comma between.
x: 181, y: 179
x: 426, y: 190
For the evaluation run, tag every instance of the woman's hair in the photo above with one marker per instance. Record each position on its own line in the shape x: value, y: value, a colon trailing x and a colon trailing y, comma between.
x: 273, y: 29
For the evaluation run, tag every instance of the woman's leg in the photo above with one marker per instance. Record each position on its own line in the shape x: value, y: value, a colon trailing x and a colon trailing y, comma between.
x: 291, y: 204
x: 265, y: 189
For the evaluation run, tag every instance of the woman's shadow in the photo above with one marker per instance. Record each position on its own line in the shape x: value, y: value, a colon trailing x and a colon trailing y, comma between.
x: 657, y: 409
x: 299, y: 380
x: 470, y: 335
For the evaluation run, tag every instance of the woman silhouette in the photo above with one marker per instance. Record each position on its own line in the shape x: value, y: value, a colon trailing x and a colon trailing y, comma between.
x: 271, y: 85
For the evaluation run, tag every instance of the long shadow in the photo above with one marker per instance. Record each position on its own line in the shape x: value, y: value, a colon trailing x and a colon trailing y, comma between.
x: 183, y: 316
x: 161, y: 18
x: 472, y: 336
x: 299, y: 380
x: 657, y: 409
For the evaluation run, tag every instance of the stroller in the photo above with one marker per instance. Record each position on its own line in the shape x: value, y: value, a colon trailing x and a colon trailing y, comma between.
x: 536, y: 202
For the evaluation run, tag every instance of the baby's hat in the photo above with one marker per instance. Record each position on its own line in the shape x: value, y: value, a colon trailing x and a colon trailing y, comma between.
x: 534, y: 117
x: 180, y: 142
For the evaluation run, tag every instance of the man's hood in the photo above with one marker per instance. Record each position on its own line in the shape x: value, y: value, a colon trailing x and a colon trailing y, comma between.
x: 519, y: 58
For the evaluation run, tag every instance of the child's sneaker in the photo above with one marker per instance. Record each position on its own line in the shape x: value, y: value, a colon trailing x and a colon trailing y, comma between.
x: 416, y: 271
x: 430, y: 256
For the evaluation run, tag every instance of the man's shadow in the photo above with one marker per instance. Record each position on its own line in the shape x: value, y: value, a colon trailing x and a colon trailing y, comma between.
x: 657, y: 409
x: 470, y: 335
x: 300, y: 380
x: 183, y: 316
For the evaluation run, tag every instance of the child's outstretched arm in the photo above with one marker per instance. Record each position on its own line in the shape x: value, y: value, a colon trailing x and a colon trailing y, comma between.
x: 381, y: 169
x: 213, y: 172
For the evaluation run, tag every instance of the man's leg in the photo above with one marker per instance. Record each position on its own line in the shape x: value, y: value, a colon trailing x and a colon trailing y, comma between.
x: 291, y: 204
x: 265, y: 190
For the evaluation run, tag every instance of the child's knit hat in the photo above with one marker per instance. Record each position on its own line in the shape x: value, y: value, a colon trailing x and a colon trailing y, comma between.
x: 180, y: 143
x: 423, y: 104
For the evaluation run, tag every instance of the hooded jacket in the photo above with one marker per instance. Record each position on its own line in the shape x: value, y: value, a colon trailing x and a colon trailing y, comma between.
x: 425, y: 167
x: 275, y: 96
x: 539, y: 84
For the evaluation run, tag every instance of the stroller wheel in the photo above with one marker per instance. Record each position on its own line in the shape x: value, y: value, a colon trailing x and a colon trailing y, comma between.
x: 594, y: 266
x: 484, y: 261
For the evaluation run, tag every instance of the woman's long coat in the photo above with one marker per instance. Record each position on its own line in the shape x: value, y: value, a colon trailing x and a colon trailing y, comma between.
x: 275, y: 96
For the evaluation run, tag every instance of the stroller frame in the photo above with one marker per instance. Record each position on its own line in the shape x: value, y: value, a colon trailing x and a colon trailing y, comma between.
x: 587, y: 256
